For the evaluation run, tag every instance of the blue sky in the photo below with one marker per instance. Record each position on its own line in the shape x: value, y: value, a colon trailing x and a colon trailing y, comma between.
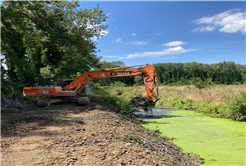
x: 161, y: 32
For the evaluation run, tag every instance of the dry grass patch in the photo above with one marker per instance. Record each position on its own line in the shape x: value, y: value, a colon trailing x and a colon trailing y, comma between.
x: 215, y: 94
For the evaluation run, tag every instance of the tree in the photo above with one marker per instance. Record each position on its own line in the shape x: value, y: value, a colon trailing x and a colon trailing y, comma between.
x: 183, y: 73
x: 42, y: 37
x: 113, y: 64
x: 138, y: 80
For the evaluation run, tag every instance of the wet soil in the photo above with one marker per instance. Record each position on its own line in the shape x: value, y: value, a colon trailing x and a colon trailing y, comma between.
x: 67, y: 134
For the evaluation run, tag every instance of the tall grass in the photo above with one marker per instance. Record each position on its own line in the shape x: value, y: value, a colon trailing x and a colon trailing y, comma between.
x: 223, y: 101
x: 104, y: 94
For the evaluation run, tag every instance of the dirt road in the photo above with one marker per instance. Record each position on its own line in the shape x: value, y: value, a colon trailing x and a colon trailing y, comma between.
x: 67, y: 134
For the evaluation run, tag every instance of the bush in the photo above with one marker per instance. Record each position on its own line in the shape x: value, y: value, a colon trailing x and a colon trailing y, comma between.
x: 138, y: 80
x: 119, y: 102
x: 139, y: 94
x: 237, y: 107
x: 95, y: 85
x: 119, y: 91
x: 197, y: 81
x: 208, y: 108
x: 181, y: 82
x: 233, y: 109
x: 187, y: 104
x: 179, y: 103
x: 117, y: 84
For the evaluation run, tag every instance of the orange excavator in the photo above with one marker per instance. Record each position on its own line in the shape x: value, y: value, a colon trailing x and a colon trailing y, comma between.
x: 80, y: 86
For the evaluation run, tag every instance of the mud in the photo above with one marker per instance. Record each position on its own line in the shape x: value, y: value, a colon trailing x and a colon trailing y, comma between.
x: 67, y: 134
x: 153, y: 113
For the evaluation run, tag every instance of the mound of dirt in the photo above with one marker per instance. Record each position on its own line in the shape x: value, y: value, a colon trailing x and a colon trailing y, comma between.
x: 67, y: 134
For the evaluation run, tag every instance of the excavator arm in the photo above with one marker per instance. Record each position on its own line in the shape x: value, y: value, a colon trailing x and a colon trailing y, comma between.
x: 149, y: 77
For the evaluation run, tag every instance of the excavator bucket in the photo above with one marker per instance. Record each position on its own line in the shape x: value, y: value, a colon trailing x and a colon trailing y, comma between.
x: 142, y: 103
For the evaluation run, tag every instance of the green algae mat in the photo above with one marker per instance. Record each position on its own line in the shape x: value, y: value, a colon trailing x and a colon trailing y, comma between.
x: 219, y: 141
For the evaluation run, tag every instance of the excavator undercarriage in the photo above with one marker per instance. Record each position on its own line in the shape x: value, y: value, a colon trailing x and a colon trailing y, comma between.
x: 48, y: 101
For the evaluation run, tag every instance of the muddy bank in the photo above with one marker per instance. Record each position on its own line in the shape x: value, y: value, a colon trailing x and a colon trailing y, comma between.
x: 67, y: 134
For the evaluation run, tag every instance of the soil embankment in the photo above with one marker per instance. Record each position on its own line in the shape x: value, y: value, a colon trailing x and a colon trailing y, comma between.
x: 67, y: 134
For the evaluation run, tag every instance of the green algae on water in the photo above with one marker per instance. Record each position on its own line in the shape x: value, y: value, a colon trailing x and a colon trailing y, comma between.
x: 219, y: 141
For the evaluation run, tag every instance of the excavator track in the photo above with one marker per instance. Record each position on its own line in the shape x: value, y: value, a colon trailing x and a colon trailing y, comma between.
x: 82, y: 101
x: 43, y: 102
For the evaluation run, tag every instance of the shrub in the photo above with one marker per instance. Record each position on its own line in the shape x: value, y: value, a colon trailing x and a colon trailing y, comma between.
x: 95, y: 85
x: 197, y: 81
x: 208, y: 108
x: 187, y: 104
x: 237, y: 107
x: 119, y: 91
x: 139, y: 94
x: 119, y: 102
x: 117, y: 84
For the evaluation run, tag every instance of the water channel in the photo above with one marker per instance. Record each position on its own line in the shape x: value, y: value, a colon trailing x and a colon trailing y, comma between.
x: 219, y: 141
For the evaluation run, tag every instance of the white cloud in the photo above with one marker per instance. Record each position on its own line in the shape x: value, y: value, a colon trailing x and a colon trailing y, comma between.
x: 169, y: 51
x: 178, y: 49
x: 110, y: 56
x: 117, y: 40
x: 133, y: 34
x: 174, y: 43
x: 138, y: 42
x: 231, y: 21
x: 158, y: 33
x: 206, y: 28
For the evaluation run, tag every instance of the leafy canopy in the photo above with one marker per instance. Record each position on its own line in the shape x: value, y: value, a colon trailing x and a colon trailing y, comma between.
x: 48, y: 38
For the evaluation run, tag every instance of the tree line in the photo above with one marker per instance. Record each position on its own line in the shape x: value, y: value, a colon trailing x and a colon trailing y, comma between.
x: 226, y: 72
